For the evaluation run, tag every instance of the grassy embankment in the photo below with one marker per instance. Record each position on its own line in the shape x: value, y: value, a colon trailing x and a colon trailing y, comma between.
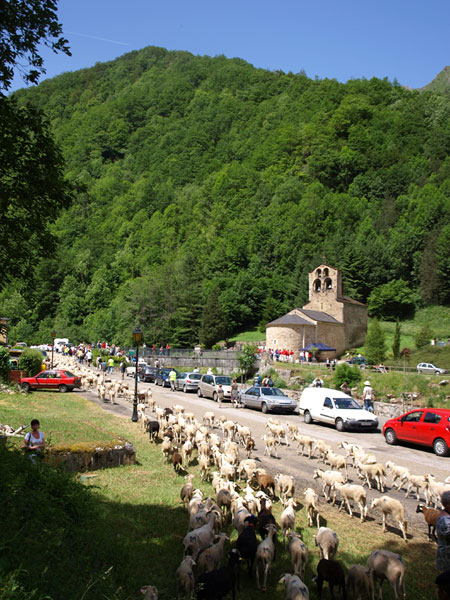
x: 66, y: 541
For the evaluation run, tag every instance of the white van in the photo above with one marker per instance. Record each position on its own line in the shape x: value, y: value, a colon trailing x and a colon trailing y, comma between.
x: 335, y: 408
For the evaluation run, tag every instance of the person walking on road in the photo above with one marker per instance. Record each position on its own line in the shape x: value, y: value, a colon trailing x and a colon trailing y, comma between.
x: 172, y: 378
x: 111, y: 365
x: 123, y: 366
x: 220, y: 395
x: 234, y: 394
x: 368, y: 396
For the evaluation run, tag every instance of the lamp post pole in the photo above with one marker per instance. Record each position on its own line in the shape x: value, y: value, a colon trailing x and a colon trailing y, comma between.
x: 53, y: 344
x: 137, y: 337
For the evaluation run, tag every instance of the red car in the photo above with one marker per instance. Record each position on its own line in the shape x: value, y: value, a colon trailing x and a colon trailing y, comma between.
x: 425, y: 426
x: 61, y: 380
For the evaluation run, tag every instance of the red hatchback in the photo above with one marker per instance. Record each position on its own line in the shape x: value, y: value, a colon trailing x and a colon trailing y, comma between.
x: 425, y: 426
x: 61, y: 380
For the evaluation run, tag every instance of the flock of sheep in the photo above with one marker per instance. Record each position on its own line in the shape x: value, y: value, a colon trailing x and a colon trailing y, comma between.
x: 245, y: 494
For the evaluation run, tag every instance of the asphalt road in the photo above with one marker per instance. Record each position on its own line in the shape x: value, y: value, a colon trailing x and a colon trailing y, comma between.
x: 419, y: 460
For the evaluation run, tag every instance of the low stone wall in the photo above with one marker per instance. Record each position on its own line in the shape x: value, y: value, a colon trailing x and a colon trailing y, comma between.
x: 223, y: 366
x: 91, y: 456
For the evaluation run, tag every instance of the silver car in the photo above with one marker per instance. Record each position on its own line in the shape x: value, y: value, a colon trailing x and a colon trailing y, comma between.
x: 209, y: 384
x: 187, y: 381
x: 430, y: 368
x: 267, y: 399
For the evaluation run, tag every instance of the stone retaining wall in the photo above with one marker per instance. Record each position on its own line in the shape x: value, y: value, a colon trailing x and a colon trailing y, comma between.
x: 91, y: 456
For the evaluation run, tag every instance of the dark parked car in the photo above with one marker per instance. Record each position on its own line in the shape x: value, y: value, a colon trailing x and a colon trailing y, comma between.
x: 148, y: 374
x: 187, y: 381
x: 64, y: 381
x: 162, y: 377
x: 425, y: 426
x: 357, y: 360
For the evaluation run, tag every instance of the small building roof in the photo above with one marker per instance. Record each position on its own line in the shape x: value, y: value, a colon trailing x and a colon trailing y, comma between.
x: 318, y: 315
x: 351, y: 300
x: 320, y: 347
x: 290, y: 319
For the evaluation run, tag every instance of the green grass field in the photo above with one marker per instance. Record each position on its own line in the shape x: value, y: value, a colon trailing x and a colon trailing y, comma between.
x: 107, y: 538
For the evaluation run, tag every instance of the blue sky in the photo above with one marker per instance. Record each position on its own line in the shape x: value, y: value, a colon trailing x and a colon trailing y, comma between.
x: 342, y: 39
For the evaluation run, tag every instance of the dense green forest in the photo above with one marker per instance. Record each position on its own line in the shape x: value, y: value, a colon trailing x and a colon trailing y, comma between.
x: 206, y: 189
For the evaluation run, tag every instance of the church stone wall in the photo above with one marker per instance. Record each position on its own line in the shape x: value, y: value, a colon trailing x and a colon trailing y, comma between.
x: 332, y: 335
x: 289, y: 338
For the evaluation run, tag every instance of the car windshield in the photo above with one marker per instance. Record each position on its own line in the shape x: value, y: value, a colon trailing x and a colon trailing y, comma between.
x: 267, y: 391
x: 346, y: 403
x: 195, y: 376
x: 68, y: 374
x: 223, y: 380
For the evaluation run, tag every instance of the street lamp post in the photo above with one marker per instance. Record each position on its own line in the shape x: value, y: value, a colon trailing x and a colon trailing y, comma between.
x: 53, y: 343
x: 137, y: 338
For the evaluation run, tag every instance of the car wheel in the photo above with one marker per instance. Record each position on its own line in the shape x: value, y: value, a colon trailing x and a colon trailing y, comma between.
x: 264, y: 408
x: 339, y: 425
x: 390, y: 437
x: 215, y: 397
x: 63, y: 388
x: 184, y: 389
x: 440, y: 447
x: 26, y: 387
x: 307, y: 417
x: 242, y: 403
x: 437, y: 373
x: 419, y: 371
x: 199, y: 393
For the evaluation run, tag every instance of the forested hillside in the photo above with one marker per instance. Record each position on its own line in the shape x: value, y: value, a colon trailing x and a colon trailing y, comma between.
x: 207, y: 189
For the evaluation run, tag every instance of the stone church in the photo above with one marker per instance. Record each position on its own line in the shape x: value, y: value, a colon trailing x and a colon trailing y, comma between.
x: 328, y: 318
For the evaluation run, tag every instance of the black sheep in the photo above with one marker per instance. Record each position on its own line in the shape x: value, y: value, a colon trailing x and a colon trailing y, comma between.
x: 247, y: 543
x: 216, y: 584
x: 333, y: 572
x: 265, y: 517
x: 153, y: 430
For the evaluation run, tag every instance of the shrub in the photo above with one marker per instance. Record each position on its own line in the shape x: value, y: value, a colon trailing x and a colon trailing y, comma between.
x: 391, y: 300
x: 423, y: 336
x: 344, y: 372
x: 247, y: 359
x: 31, y: 361
x: 375, y: 346
x: 5, y: 365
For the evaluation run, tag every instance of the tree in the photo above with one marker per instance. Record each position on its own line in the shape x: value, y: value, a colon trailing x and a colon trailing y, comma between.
x: 423, y: 336
x: 396, y: 341
x: 32, y: 188
x: 31, y: 361
x: 391, y: 300
x: 346, y: 373
x: 24, y: 26
x: 375, y: 346
x: 247, y: 358
x: 212, y: 327
x: 5, y: 365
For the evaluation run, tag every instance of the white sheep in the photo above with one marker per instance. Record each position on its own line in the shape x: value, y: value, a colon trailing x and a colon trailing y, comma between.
x: 284, y: 486
x: 382, y: 565
x: 375, y: 472
x: 287, y: 518
x: 356, y: 493
x: 328, y: 542
x: 397, y: 472
x: 187, y: 489
x: 185, y: 577
x: 265, y: 553
x: 199, y: 539
x: 211, y: 558
x: 312, y: 506
x: 337, y: 461
x: 418, y: 482
x: 304, y: 441
x: 390, y: 506
x: 329, y: 479
x: 295, y: 588
x: 298, y: 552
x: 269, y: 445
